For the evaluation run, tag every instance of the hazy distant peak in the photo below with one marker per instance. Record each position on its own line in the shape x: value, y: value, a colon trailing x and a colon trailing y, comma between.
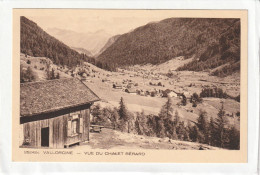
x: 91, y: 41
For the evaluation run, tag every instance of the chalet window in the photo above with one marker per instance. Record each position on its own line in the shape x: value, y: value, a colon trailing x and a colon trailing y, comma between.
x: 75, y: 125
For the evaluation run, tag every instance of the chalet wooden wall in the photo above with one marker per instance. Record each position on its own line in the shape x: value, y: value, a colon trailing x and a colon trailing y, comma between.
x: 57, y: 131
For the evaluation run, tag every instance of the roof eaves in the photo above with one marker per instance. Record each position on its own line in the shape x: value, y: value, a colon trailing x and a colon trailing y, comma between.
x: 57, y: 109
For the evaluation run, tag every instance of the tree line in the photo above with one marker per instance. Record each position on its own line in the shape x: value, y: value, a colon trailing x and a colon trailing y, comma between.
x: 217, y: 93
x: 214, y: 131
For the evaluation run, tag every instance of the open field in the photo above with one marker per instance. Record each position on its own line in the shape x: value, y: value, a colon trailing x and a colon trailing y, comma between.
x: 146, y: 78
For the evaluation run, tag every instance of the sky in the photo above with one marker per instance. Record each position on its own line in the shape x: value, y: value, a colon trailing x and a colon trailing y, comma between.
x: 112, y: 22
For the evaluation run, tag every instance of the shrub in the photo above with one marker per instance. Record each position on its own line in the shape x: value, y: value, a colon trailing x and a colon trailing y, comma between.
x: 213, y: 92
x: 26, y: 76
x: 153, y: 94
x: 195, y: 98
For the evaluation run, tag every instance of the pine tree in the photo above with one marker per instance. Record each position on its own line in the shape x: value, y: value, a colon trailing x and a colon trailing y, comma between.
x: 166, y: 119
x: 176, y: 118
x: 186, y: 136
x: 140, y: 123
x: 130, y: 122
x: 137, y: 125
x: 174, y: 134
x: 212, y: 131
x: 234, y: 139
x: 203, y: 126
x: 194, y: 134
x: 158, y: 126
x: 114, y: 118
x: 221, y: 131
x: 202, y: 121
x: 180, y: 130
x: 124, y: 115
x: 151, y: 126
x: 167, y: 110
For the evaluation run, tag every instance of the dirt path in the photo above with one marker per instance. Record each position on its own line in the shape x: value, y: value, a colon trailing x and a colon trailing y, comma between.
x: 111, y: 139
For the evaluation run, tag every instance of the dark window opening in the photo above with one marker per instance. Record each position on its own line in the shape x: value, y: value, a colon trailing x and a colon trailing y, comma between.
x: 45, y: 137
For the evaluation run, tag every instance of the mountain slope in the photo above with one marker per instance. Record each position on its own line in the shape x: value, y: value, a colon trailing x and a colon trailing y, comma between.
x: 109, y: 43
x: 36, y: 42
x: 92, y: 42
x: 206, y: 39
x: 82, y: 50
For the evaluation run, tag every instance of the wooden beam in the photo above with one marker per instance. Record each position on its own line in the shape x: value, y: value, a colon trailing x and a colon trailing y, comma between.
x: 48, y: 115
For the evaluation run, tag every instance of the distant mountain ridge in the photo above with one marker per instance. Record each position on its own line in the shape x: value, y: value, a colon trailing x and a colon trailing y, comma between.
x: 213, y: 41
x: 92, y: 42
x: 34, y: 41
x: 82, y: 50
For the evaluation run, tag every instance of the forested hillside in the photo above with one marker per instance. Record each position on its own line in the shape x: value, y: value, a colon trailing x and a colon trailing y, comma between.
x: 109, y: 43
x: 36, y: 42
x: 213, y: 42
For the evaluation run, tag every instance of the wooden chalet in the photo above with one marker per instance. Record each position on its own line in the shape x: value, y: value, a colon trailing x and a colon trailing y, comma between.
x: 55, y: 113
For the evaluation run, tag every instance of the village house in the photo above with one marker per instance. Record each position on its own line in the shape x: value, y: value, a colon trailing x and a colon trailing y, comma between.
x: 105, y: 80
x: 55, y: 113
x: 117, y: 86
x: 169, y: 93
x: 84, y: 77
x: 130, y: 91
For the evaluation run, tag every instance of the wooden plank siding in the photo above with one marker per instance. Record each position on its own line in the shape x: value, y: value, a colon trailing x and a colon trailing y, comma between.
x: 87, y: 124
x: 51, y: 139
x: 58, y: 127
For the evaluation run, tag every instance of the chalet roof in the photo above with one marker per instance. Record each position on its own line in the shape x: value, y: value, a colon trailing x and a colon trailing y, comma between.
x: 52, y: 95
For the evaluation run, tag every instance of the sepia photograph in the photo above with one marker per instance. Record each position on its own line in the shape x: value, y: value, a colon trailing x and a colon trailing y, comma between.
x: 117, y: 80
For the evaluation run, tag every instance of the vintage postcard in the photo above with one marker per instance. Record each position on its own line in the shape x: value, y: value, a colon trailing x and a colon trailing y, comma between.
x: 129, y: 85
